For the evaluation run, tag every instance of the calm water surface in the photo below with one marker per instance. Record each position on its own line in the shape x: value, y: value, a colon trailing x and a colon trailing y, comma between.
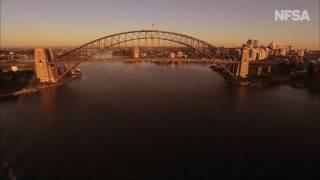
x: 143, y: 121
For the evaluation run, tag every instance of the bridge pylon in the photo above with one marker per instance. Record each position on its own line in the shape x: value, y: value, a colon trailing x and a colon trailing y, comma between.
x: 45, y: 72
x: 243, y: 68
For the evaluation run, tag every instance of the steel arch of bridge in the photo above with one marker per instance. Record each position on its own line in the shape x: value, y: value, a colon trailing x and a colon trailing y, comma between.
x: 86, y: 51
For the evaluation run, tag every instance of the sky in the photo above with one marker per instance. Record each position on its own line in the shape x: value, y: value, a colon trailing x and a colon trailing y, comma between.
x: 229, y: 23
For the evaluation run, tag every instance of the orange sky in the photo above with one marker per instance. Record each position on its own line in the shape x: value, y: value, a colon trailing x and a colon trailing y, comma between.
x: 47, y: 23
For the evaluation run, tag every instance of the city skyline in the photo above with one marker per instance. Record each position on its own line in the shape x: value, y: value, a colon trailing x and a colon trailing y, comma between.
x: 228, y: 23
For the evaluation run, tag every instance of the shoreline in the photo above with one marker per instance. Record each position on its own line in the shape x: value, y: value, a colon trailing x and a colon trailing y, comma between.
x: 40, y: 87
x: 255, y: 81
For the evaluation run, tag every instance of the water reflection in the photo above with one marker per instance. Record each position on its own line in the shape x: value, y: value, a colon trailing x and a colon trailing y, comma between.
x: 48, y: 105
x: 136, y: 67
x: 155, y: 121
x: 240, y: 94
x: 172, y: 65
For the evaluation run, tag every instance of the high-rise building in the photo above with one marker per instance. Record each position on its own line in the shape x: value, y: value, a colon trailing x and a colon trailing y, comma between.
x: 255, y: 43
x: 250, y: 43
x: 253, y: 54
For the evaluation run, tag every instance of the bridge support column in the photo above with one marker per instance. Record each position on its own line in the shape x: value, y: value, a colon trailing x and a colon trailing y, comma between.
x: 45, y: 72
x: 244, y: 65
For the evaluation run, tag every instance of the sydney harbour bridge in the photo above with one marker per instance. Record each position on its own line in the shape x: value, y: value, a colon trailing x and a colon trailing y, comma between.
x: 52, y: 68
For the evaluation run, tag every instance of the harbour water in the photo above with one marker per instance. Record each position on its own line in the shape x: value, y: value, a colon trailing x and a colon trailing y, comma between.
x: 145, y: 121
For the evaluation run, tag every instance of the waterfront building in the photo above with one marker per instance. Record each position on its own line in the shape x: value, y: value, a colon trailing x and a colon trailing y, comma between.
x: 180, y: 54
x: 172, y: 55
x: 143, y: 54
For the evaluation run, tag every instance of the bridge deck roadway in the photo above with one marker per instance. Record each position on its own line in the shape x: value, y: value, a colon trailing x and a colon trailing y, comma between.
x: 149, y: 60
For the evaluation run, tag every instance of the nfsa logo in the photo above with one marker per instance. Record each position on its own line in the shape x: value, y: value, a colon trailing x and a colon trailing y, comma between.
x: 293, y: 15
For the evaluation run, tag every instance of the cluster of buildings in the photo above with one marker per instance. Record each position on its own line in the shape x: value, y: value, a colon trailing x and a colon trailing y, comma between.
x: 178, y: 55
x: 278, y: 49
x: 7, y: 55
x: 256, y: 52
x: 274, y: 49
x: 136, y: 53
